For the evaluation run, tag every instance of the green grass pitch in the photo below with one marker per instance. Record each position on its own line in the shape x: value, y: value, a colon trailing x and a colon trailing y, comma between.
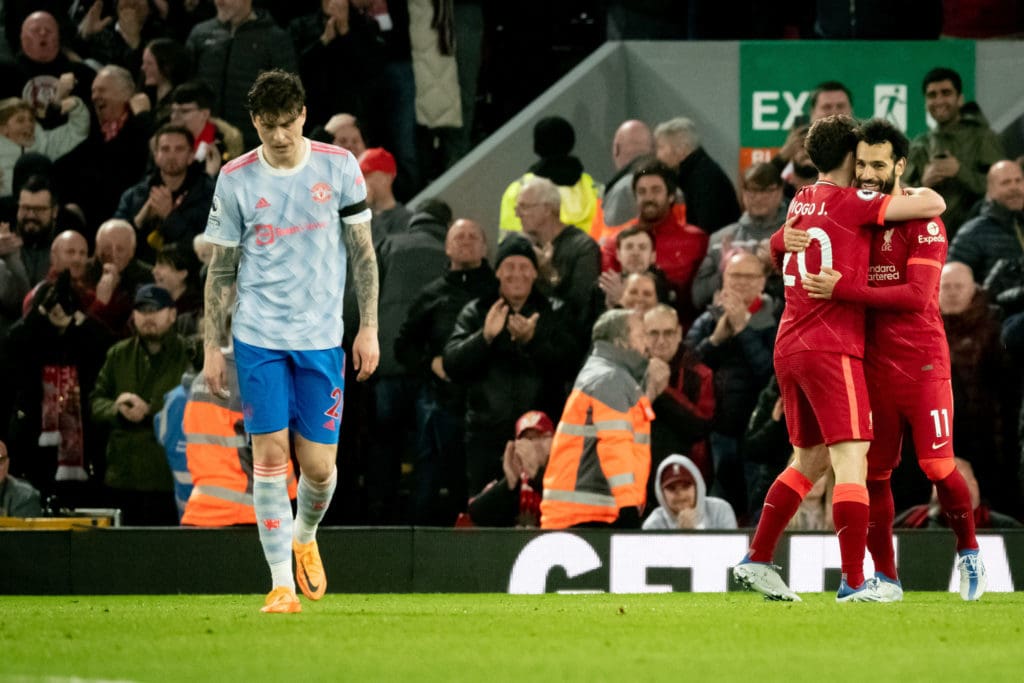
x: 660, y: 637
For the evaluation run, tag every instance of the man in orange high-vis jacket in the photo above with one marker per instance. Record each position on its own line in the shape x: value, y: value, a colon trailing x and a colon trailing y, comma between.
x: 601, y: 454
x: 219, y: 456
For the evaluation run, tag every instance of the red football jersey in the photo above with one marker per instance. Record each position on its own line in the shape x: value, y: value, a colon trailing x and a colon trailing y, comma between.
x: 908, y: 344
x: 840, y: 221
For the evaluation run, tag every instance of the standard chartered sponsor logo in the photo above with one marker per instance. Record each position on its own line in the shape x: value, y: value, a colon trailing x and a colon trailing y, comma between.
x: 883, y: 273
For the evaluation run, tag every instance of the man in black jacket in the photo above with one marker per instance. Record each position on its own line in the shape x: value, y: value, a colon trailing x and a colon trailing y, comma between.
x: 707, y: 191
x: 408, y: 262
x: 440, y: 467
x: 171, y: 205
x: 511, y: 354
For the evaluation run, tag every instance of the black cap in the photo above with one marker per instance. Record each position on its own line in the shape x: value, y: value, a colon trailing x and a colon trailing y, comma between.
x: 515, y: 245
x: 151, y: 298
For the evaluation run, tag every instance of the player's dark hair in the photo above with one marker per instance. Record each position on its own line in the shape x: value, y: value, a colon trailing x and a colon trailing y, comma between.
x: 276, y: 93
x: 632, y: 231
x: 878, y: 131
x: 942, y: 73
x: 829, y: 141
x: 659, y: 169
x: 193, y: 91
x: 829, y: 86
x: 171, y: 129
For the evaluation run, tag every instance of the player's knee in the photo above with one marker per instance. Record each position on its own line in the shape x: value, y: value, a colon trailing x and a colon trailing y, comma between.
x: 937, y: 469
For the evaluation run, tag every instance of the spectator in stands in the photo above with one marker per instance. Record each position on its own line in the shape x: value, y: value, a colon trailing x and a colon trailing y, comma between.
x: 37, y: 73
x: 395, y: 128
x: 216, y: 140
x: 996, y: 232
x: 792, y: 162
x: 553, y: 140
x: 764, y: 213
x: 408, y: 261
x: 49, y: 364
x: 346, y: 132
x: 171, y: 205
x: 21, y: 133
x: 69, y: 251
x: 683, y: 499
x: 511, y: 354
x: 122, y: 38
x: 165, y: 64
x: 601, y: 454
x: 390, y: 216
x: 230, y: 50
x: 569, y: 261
x: 337, y: 33
x: 115, y: 275
x: 735, y: 337
x: 514, y: 500
x: 633, y: 140
x: 440, y: 466
x: 828, y: 98
x: 707, y: 191
x: 114, y: 156
x: 640, y: 292
x: 682, y: 393
x: 979, y: 369
x: 28, y: 247
x: 931, y: 516
x: 129, y: 391
x: 1005, y: 284
x: 954, y: 158
x: 680, y: 246
x: 634, y: 250
x: 13, y: 279
x: 17, y: 498
x: 177, y: 270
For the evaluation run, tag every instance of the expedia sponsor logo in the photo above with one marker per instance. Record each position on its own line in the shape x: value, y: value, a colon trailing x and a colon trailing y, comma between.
x: 928, y: 239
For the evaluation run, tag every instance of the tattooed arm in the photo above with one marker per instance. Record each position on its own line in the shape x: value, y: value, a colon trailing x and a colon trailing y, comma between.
x: 365, y: 348
x: 220, y: 297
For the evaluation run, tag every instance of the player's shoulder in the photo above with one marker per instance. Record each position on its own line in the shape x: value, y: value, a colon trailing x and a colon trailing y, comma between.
x: 246, y: 159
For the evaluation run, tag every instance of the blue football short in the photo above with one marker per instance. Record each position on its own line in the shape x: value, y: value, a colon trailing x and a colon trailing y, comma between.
x: 297, y: 390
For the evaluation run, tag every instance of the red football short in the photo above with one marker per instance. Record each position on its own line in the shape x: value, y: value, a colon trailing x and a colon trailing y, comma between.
x: 825, y: 398
x: 926, y: 407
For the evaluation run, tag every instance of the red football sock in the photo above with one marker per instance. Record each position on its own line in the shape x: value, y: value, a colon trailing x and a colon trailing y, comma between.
x: 781, y: 503
x: 956, y: 504
x: 850, y: 513
x: 880, y: 526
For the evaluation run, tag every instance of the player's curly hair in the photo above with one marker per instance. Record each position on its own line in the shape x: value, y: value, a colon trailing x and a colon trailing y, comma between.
x: 829, y: 141
x: 276, y: 93
x: 878, y: 131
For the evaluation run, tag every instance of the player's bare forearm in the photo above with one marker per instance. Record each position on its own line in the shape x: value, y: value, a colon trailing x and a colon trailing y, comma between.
x: 359, y: 242
x: 220, y: 293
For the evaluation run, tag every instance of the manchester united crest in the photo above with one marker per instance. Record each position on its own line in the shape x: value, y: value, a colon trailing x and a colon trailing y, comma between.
x: 321, y: 193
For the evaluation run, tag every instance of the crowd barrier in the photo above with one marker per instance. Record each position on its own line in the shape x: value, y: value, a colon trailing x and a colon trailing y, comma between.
x: 126, y: 560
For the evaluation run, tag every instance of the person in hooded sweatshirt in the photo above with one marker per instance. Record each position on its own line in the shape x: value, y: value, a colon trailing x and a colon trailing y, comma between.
x: 684, y: 500
x: 553, y: 140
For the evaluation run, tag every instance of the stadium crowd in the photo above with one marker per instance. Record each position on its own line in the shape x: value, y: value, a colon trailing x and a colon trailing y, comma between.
x: 115, y: 119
